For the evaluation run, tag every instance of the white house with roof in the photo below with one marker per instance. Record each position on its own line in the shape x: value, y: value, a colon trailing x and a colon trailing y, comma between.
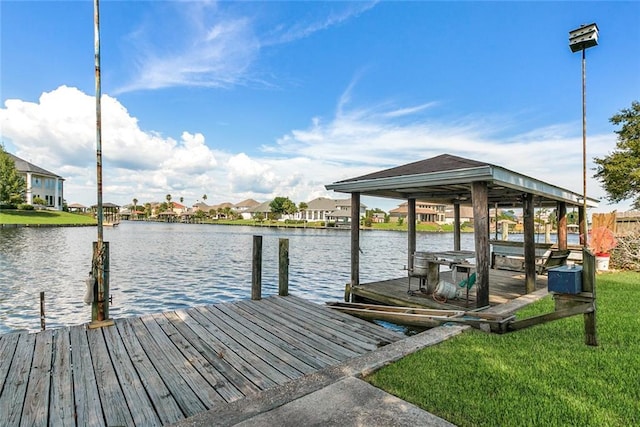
x: 425, y: 212
x: 40, y: 183
x: 326, y: 209
x: 244, y: 206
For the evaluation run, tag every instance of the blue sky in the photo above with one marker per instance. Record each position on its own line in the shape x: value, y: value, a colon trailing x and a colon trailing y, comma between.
x: 241, y: 100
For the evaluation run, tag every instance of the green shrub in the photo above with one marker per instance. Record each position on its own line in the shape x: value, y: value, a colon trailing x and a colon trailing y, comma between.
x: 25, y: 207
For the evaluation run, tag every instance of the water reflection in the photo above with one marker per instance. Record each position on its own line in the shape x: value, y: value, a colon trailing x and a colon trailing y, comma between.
x: 156, y: 266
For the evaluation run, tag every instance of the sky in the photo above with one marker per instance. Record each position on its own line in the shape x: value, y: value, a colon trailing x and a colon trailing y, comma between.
x: 237, y: 100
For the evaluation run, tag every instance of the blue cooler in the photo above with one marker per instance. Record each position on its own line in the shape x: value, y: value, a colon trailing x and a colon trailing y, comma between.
x: 565, y: 279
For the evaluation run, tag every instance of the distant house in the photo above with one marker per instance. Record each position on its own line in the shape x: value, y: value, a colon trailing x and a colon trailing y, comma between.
x: 40, y: 183
x: 425, y: 212
x: 263, y: 209
x: 243, y: 208
x: 326, y: 209
x: 466, y: 214
x: 77, y: 207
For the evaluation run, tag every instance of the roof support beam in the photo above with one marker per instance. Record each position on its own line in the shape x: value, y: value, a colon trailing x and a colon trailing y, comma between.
x: 411, y: 231
x: 529, y: 243
x: 355, y: 239
x: 480, y: 226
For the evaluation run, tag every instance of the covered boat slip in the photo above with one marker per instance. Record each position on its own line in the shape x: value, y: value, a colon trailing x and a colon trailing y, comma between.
x: 457, y: 181
x: 505, y: 286
x: 159, y: 369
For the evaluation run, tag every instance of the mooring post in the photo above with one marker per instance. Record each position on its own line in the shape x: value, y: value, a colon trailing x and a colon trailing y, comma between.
x: 283, y: 267
x: 256, y: 276
x: 43, y: 325
x: 100, y: 269
x: 589, y: 285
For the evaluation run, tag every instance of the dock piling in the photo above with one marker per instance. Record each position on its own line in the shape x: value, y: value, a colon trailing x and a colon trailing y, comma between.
x: 283, y: 270
x: 256, y: 275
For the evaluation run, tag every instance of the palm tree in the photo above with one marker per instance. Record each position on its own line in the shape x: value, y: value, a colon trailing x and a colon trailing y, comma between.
x: 169, y: 201
x: 204, y: 197
x: 135, y: 204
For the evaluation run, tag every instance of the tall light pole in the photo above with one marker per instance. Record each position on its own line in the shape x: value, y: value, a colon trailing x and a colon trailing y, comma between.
x: 580, y: 40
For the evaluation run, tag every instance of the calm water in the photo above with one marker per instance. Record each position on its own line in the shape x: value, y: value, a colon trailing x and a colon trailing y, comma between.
x: 157, y: 266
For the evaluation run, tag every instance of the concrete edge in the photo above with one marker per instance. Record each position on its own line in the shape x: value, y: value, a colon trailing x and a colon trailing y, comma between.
x: 228, y: 414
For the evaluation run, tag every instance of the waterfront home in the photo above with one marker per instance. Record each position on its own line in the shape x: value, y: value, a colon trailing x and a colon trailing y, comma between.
x: 40, y: 183
x: 326, y: 209
x: 263, y: 209
x: 425, y: 212
x: 243, y: 208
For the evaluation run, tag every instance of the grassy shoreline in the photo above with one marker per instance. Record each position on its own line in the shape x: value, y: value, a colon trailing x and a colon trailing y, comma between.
x: 9, y: 217
x: 542, y: 376
x: 44, y: 218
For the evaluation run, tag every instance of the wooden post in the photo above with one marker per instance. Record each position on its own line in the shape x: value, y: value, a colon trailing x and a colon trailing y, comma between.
x: 411, y: 232
x: 355, y: 239
x: 562, y: 225
x: 529, y: 244
x: 479, y: 195
x: 456, y: 226
x: 256, y: 274
x: 283, y: 270
x: 589, y: 285
x: 100, y: 269
x: 582, y: 221
x: 43, y: 325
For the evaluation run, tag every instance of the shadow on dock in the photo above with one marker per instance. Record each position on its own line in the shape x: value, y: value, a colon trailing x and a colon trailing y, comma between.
x: 163, y: 368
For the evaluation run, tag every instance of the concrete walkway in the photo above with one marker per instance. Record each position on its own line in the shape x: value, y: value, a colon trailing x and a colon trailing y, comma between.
x: 334, y: 396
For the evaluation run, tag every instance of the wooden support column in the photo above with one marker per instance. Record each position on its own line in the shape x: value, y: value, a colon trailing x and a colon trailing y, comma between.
x: 283, y: 267
x: 456, y: 226
x: 589, y: 285
x: 562, y: 225
x: 529, y: 243
x: 411, y: 231
x: 479, y: 196
x: 256, y: 276
x: 355, y: 239
x: 582, y: 222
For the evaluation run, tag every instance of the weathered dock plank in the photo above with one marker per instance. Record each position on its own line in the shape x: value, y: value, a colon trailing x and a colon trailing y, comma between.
x: 223, y: 352
x: 13, y: 393
x: 359, y: 329
x: 332, y: 335
x: 62, y: 406
x: 159, y: 369
x: 235, y: 347
x: 318, y: 342
x: 298, y: 360
x: 166, y: 406
x: 36, y: 404
x: 296, y: 342
x: 234, y: 385
x: 8, y: 345
x: 254, y: 343
x: 199, y: 362
x: 87, y: 398
x: 136, y: 398
x: 114, y: 403
x: 170, y: 368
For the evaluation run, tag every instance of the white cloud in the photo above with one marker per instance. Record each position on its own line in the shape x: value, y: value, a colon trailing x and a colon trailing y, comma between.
x: 58, y: 133
x: 211, y: 44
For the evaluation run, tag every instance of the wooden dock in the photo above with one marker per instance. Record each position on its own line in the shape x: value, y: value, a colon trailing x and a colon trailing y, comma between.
x: 504, y: 285
x: 159, y: 369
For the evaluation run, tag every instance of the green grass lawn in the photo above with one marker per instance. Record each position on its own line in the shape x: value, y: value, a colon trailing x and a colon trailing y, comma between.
x: 45, y: 217
x: 541, y: 376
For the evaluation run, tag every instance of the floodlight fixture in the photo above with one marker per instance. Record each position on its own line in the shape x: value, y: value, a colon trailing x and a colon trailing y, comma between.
x: 580, y: 40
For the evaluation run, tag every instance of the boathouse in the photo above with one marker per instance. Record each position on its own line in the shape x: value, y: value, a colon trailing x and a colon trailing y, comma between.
x: 458, y: 181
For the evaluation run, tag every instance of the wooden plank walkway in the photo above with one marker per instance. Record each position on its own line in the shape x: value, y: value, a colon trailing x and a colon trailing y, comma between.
x: 504, y: 285
x: 161, y: 368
